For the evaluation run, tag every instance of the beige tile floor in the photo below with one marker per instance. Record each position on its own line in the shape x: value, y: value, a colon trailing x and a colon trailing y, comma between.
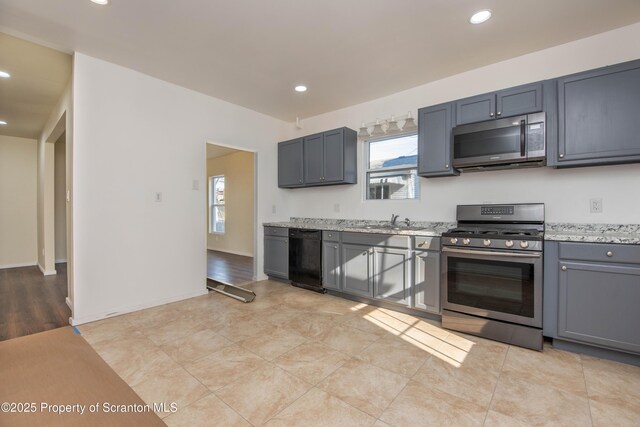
x: 297, y: 358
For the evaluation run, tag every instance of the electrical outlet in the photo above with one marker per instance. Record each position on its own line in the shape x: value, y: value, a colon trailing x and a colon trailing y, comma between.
x: 336, y: 207
x: 157, y: 197
x: 273, y: 209
x: 595, y: 205
x: 195, y: 185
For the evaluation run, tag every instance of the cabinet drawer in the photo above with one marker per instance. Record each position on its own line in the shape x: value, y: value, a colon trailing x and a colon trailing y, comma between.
x: 427, y: 243
x: 331, y: 236
x: 276, y: 231
x: 603, y: 252
x: 372, y: 239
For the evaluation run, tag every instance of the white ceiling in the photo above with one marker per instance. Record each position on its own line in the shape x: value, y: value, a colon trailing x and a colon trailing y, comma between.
x: 253, y: 52
x: 219, y: 151
x: 38, y: 78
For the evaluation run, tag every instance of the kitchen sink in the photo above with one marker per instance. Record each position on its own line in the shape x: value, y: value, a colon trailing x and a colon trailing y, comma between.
x: 389, y: 227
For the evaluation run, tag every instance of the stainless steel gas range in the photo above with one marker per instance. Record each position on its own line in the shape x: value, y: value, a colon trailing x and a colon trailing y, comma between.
x: 492, y: 273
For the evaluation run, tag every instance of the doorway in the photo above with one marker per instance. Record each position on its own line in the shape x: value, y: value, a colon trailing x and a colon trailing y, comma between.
x: 230, y: 228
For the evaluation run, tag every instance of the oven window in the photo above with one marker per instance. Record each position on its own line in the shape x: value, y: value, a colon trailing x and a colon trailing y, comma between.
x: 505, y: 287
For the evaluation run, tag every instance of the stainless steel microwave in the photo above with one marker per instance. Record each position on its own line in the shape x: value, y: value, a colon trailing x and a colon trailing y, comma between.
x: 500, y: 144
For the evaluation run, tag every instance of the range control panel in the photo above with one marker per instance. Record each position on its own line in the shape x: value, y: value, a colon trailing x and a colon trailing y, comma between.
x: 496, y: 210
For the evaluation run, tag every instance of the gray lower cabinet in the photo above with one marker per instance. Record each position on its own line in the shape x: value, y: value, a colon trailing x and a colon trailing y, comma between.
x: 434, y: 141
x: 290, y: 171
x: 598, y: 117
x: 356, y: 270
x: 598, y: 289
x: 427, y: 281
x: 331, y: 264
x: 276, y: 252
x: 391, y: 275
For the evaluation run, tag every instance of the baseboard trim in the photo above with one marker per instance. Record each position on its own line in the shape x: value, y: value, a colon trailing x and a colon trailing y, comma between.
x: 58, y: 261
x: 18, y: 265
x: 47, y: 272
x: 75, y: 321
x: 68, y: 301
x: 247, y: 254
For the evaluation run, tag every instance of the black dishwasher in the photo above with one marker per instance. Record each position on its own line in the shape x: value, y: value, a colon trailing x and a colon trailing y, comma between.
x: 305, y: 259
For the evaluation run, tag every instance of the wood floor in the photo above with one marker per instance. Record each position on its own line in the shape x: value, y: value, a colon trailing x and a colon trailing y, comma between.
x: 31, y: 302
x: 229, y: 268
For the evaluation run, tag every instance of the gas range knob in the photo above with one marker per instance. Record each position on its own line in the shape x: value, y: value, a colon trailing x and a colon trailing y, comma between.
x: 454, y: 240
x: 524, y: 244
x: 509, y: 243
x: 486, y: 242
x: 466, y: 241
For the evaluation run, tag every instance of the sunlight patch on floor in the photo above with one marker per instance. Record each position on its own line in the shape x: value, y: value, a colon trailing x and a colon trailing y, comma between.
x: 442, y: 344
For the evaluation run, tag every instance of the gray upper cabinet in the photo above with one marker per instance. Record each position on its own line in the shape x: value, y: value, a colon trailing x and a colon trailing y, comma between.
x: 391, y: 275
x: 476, y: 109
x: 326, y: 158
x: 591, y: 294
x: 290, y: 171
x: 434, y: 141
x: 313, y: 159
x: 504, y: 103
x: 598, y: 116
x: 519, y: 100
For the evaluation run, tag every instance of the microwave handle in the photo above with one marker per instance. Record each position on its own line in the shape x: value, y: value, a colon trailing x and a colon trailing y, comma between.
x: 523, y: 131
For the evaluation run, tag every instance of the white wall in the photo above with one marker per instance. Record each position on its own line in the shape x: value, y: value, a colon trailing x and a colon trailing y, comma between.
x: 566, y: 193
x: 237, y: 169
x: 60, y: 204
x: 133, y: 136
x: 18, y: 202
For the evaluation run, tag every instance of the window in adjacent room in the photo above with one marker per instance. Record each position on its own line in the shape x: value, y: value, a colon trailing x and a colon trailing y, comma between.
x: 392, y: 168
x: 216, y: 204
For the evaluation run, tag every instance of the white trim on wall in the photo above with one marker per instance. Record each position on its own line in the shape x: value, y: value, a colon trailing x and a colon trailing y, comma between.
x: 47, y: 272
x: 18, y: 265
x: 249, y: 254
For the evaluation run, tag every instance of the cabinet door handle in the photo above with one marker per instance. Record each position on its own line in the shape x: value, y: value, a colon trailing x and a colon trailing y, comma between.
x: 335, y: 247
x: 499, y: 113
x: 564, y: 268
x: 609, y: 254
x: 561, y: 156
x: 446, y: 166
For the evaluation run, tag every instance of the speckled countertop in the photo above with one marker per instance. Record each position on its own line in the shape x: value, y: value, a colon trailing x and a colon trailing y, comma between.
x: 628, y: 234
x: 418, y: 228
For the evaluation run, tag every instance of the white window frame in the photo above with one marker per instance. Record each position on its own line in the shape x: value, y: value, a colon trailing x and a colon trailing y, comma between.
x: 213, y: 205
x: 367, y: 171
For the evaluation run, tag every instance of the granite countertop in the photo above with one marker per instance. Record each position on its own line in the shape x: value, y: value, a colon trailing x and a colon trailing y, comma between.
x: 418, y: 228
x: 628, y: 234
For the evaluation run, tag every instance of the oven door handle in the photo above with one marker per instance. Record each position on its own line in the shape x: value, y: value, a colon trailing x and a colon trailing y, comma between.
x: 487, y: 253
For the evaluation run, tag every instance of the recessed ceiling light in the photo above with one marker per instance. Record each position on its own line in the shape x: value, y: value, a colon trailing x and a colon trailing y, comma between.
x: 301, y: 88
x: 4, y: 74
x: 101, y: 2
x: 2, y: 123
x: 480, y: 16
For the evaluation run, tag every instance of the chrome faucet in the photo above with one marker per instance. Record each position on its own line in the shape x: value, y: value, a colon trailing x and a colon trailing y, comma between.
x: 407, y: 222
x: 394, y: 218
